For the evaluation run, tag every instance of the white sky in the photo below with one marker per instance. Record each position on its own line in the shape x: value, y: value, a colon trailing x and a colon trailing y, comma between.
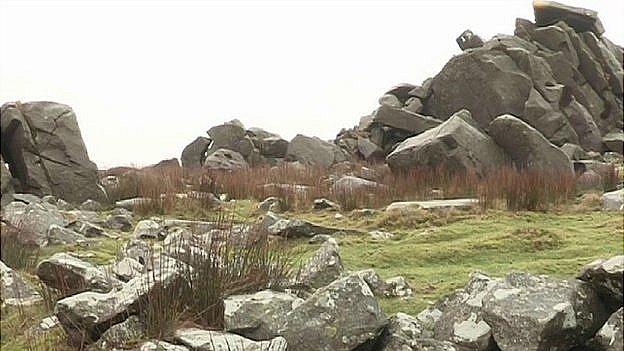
x: 147, y: 77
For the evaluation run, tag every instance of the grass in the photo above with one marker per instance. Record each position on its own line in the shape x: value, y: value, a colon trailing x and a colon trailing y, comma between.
x: 437, y: 258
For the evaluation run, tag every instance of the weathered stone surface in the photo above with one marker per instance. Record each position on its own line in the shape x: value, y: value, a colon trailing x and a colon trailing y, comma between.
x: 325, y: 204
x: 390, y: 101
x: 148, y: 228
x: 225, y: 159
x: 293, y: 228
x: 120, y: 335
x: 91, y: 205
x: 159, y: 345
x: 119, y: 220
x: 338, y: 317
x: 488, y: 83
x: 368, y: 149
x: 258, y: 316
x: 457, y: 144
x: 42, y: 144
x: 208, y: 340
x: 273, y: 204
x: 15, y: 290
x: 460, y: 318
x: 314, y: 151
x: 574, y: 152
x: 582, y: 20
x: 226, y: 135
x: 58, y: 235
x: 33, y: 220
x: 401, y: 91
x: 414, y: 105
x: 72, y: 275
x: 86, y: 315
x: 194, y: 154
x: 126, y: 269
x: 469, y: 40
x: 324, y: 267
x: 527, y: 147
x: 403, y: 119
x: 610, y: 336
x: 527, y: 312
x: 606, y: 276
x: 613, y: 201
x: 402, y: 333
x: 272, y: 146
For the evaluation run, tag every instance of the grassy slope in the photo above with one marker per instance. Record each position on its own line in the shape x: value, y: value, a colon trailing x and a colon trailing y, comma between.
x: 435, y: 252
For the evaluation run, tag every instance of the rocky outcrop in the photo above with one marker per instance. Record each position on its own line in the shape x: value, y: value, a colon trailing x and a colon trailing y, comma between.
x: 611, y: 336
x: 225, y: 159
x: 324, y: 267
x: 457, y: 144
x: 527, y: 147
x: 613, y: 200
x: 72, y: 275
x: 42, y: 144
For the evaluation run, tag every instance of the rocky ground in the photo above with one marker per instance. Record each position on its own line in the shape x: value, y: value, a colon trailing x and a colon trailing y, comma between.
x: 446, y: 220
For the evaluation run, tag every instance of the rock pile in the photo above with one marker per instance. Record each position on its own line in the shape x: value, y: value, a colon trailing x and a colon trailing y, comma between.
x: 560, y: 76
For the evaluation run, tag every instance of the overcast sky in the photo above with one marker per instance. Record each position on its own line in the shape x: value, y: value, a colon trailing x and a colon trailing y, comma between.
x: 147, y: 77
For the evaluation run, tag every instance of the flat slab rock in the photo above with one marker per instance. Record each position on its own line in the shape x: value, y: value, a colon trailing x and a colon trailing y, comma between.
x: 208, y: 340
x: 434, y: 204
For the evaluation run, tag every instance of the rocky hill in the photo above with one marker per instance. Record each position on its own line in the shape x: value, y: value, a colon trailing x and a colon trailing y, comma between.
x: 392, y: 223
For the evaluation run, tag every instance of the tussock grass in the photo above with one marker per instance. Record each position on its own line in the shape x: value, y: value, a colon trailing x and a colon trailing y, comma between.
x: 505, y: 188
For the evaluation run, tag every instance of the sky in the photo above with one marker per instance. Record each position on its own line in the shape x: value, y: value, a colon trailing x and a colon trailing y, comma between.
x: 145, y: 78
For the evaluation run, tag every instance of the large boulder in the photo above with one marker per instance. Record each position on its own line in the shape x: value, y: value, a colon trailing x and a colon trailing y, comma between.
x: 339, y: 317
x: 606, y: 276
x: 194, y: 154
x: 405, y: 332
x: 71, y: 275
x: 488, y: 83
x: 314, y: 151
x: 226, y: 135
x: 258, y: 316
x: 85, y: 316
x: 457, y: 144
x: 531, y: 313
x: 527, y: 147
x: 42, y: 144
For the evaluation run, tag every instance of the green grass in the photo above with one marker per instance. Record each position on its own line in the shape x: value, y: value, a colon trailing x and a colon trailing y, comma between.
x: 434, y: 251
x: 438, y: 258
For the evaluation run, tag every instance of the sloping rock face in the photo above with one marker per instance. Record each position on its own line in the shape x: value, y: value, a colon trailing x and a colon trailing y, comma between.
x: 527, y: 312
x: 15, y: 290
x: 339, y: 317
x: 560, y: 75
x: 6, y: 184
x: 457, y: 144
x: 527, y: 147
x: 606, y: 276
x: 42, y: 144
x: 611, y: 336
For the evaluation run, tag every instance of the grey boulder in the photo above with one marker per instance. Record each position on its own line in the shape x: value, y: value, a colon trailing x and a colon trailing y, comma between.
x: 43, y: 145
x: 527, y: 147
x: 225, y: 159
x: 15, y: 290
x: 457, y: 144
x: 339, y: 317
x: 314, y: 151
x: 258, y: 316
x: 72, y: 275
x: 610, y: 336
x: 323, y: 267
x: 194, y: 154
